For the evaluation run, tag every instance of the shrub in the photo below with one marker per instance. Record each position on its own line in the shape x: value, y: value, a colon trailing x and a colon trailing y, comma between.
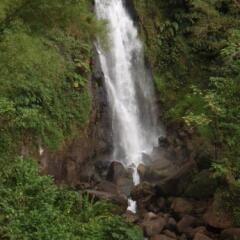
x: 32, y: 207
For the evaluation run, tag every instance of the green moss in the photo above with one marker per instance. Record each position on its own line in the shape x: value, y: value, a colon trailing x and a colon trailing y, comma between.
x: 227, y: 198
x: 201, y: 186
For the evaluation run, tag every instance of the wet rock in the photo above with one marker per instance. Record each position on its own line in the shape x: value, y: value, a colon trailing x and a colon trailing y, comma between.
x: 181, y: 206
x: 102, y: 164
x: 171, y: 224
x: 163, y: 142
x: 217, y: 219
x: 231, y: 234
x: 169, y: 184
x: 155, y: 172
x: 183, y: 237
x: 161, y: 204
x: 146, y: 159
x: 185, y: 224
x: 150, y: 216
x: 121, y: 176
x: 170, y: 234
x: 154, y: 226
x: 166, y: 165
x: 166, y: 216
x: 161, y: 237
x: 144, y: 194
x: 200, y: 236
x: 193, y: 231
x: 142, y: 191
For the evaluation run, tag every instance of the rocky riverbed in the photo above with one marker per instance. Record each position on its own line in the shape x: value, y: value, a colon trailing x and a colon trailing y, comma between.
x: 164, y: 210
x: 171, y: 204
x: 166, y: 217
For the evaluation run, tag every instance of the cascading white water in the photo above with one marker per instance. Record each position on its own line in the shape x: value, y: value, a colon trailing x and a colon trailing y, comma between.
x: 129, y: 87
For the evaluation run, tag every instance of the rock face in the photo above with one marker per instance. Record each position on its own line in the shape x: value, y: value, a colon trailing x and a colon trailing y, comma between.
x: 74, y: 162
x: 164, y: 168
x: 121, y: 176
x: 170, y: 234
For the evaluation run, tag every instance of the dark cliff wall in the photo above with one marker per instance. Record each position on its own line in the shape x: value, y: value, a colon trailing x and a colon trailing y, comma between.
x: 74, y: 162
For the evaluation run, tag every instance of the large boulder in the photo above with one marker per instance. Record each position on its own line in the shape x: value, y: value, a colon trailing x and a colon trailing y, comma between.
x: 191, y: 232
x: 200, y: 236
x: 165, y: 173
x: 153, y: 226
x: 156, y: 171
x: 217, y: 219
x: 150, y: 216
x: 181, y: 206
x: 121, y: 176
x: 186, y: 224
x: 143, y: 194
x: 142, y: 191
x: 231, y: 234
x: 161, y: 237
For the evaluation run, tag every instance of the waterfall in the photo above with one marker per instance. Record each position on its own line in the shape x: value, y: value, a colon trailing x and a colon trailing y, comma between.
x: 129, y: 87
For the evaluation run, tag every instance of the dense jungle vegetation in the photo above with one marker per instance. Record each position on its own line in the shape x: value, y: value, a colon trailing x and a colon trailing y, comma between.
x: 45, y: 50
x: 193, y: 47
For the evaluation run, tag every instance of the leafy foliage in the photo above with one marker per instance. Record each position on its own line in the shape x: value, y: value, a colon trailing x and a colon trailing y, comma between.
x: 44, y: 66
x: 193, y: 48
x: 32, y: 207
x: 45, y: 52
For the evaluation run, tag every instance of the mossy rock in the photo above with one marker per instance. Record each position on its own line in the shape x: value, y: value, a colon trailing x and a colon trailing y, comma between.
x: 202, y: 186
